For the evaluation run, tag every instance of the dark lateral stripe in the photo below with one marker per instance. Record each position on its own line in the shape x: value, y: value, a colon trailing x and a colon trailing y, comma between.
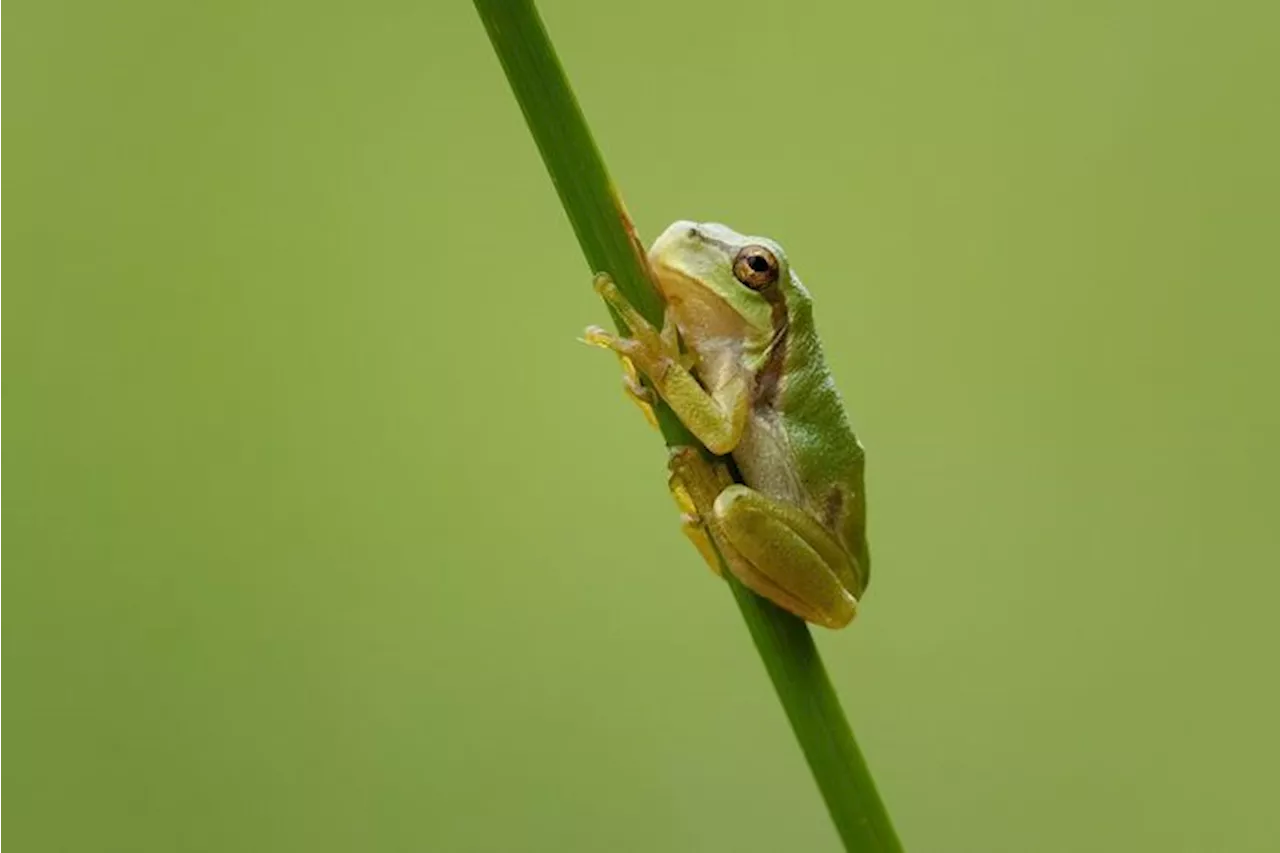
x: 769, y: 376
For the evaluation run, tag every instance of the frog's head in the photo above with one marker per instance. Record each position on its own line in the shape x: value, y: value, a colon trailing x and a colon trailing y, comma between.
x: 720, y: 283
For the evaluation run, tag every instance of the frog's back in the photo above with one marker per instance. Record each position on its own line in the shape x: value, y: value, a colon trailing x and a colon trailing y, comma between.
x: 799, y: 445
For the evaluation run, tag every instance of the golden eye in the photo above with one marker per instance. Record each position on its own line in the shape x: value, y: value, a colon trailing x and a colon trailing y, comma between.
x: 756, y: 267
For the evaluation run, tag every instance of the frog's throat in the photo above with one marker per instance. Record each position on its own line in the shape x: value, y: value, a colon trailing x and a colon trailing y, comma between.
x: 699, y: 307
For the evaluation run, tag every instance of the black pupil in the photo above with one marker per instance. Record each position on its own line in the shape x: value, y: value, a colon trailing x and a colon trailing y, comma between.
x: 758, y: 263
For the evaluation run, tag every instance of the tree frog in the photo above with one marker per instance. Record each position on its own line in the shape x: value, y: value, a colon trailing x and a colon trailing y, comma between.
x: 750, y: 382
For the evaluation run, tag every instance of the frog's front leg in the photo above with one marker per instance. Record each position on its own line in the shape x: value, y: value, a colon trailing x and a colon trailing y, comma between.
x: 774, y: 548
x: 716, y: 418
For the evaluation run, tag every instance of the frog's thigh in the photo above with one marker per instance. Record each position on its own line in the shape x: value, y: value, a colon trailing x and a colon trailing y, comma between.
x: 785, y: 550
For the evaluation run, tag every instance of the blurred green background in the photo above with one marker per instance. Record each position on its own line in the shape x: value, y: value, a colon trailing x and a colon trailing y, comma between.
x: 326, y: 534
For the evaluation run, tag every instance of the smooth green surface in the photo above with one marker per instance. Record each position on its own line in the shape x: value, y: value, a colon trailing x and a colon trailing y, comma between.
x: 605, y: 234
x: 315, y: 531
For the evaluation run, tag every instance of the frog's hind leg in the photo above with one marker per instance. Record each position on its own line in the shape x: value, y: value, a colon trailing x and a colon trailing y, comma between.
x: 790, y: 573
x: 787, y: 556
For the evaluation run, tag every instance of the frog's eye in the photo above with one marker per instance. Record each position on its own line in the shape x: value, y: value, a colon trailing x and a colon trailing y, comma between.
x: 756, y: 267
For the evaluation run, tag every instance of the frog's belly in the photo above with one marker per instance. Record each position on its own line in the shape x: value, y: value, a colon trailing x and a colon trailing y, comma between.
x: 764, y: 457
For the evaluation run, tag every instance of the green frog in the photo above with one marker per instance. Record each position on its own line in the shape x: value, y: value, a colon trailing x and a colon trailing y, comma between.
x: 739, y: 362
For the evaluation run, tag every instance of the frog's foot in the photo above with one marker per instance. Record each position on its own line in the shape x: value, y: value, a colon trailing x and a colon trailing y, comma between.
x: 636, y: 391
x: 650, y: 350
x: 632, y: 385
x: 694, y: 482
x: 691, y: 523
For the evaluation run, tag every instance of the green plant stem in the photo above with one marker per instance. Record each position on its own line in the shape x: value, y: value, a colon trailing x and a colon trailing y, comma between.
x: 609, y: 243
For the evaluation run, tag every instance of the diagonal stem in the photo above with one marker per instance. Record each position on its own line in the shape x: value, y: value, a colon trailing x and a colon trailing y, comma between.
x: 609, y: 243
